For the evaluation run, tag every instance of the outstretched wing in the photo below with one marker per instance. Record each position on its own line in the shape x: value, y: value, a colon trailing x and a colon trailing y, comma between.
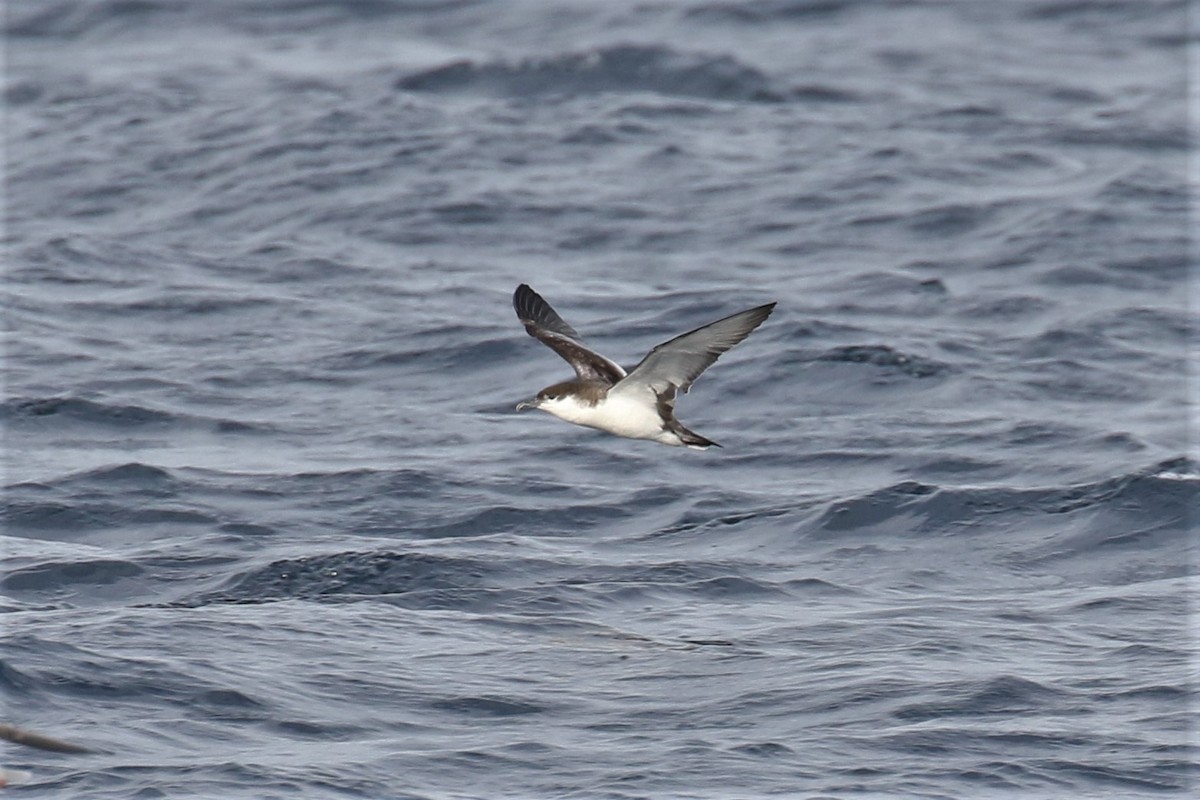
x: 680, y: 361
x: 544, y: 324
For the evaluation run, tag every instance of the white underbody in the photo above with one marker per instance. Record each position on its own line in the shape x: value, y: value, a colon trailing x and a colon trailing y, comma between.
x: 634, y: 416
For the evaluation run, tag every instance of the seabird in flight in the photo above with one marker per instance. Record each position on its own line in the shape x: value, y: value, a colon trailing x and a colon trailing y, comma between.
x: 640, y: 403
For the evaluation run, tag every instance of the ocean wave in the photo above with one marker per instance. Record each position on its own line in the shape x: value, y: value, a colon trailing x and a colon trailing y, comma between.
x: 70, y: 19
x: 770, y: 12
x: 74, y: 517
x: 134, y: 475
x: 1100, y: 9
x: 887, y: 358
x: 29, y: 411
x: 619, y: 68
x: 1151, y: 490
x: 73, y: 18
x: 1001, y: 694
x: 57, y: 576
x: 77, y: 408
x: 351, y: 574
x: 1115, y: 530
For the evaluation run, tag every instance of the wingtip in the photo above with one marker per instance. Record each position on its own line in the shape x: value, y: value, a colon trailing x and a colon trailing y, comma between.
x: 761, y: 313
x: 756, y: 316
x: 525, y: 302
x: 522, y: 290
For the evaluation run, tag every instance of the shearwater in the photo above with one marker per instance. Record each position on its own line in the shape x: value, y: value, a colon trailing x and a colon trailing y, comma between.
x: 640, y: 403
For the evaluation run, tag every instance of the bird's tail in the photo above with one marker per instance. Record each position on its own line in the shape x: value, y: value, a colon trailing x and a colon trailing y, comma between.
x: 693, y: 439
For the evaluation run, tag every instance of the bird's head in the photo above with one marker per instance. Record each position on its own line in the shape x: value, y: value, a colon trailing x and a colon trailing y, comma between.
x: 549, y: 398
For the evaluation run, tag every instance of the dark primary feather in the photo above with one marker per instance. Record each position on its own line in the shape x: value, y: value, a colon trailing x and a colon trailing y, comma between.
x: 681, y: 360
x: 532, y: 308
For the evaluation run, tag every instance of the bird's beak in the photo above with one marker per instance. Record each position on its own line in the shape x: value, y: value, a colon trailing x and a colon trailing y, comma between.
x: 524, y: 404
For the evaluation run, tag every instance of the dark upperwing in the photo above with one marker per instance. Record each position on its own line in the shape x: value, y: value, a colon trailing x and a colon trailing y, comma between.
x: 544, y: 324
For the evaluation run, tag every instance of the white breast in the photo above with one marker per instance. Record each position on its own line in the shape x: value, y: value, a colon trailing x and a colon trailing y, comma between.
x: 618, y: 413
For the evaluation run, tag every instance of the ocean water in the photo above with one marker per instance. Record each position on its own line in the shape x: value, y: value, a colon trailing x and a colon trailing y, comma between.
x: 274, y: 530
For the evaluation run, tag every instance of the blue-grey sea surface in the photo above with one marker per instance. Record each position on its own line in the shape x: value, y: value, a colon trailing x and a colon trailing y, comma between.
x: 274, y: 530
